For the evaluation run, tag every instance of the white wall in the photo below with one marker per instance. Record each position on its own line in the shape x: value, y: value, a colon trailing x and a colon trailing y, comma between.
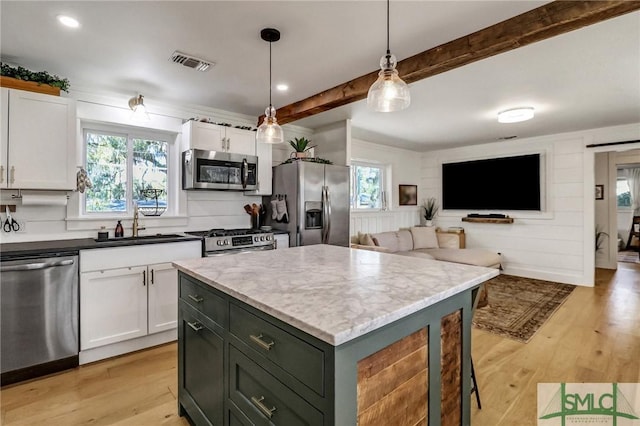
x: 557, y: 244
x: 405, y: 169
x: 199, y: 210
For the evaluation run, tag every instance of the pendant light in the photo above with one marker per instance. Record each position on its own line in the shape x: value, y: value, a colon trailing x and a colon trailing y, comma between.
x: 389, y: 93
x: 139, y: 109
x: 269, y: 131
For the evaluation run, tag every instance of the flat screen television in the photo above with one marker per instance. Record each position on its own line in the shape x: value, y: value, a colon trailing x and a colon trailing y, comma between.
x: 505, y: 183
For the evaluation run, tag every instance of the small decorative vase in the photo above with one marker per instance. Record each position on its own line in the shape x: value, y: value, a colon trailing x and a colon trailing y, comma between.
x: 429, y: 223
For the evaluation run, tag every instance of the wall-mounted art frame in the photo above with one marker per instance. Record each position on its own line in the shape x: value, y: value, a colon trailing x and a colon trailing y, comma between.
x: 599, y: 192
x: 408, y: 195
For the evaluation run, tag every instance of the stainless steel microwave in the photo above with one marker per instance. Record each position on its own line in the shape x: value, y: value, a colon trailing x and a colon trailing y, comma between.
x: 219, y: 170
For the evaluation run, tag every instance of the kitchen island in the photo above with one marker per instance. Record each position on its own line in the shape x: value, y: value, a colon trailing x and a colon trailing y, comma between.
x: 325, y: 335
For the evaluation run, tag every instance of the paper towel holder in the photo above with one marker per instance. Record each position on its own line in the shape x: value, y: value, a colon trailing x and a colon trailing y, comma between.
x: 19, y: 196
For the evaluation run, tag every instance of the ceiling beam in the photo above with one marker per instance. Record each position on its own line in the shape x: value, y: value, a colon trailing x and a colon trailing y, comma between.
x: 544, y: 22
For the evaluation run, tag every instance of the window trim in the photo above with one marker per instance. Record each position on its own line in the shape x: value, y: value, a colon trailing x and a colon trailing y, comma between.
x: 130, y: 133
x: 384, y: 171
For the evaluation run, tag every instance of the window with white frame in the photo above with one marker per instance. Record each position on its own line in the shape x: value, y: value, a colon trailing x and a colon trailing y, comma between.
x: 623, y: 192
x: 123, y: 165
x: 367, y: 186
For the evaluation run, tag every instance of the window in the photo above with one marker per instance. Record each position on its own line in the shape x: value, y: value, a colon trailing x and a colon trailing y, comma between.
x: 367, y: 186
x: 623, y: 192
x: 123, y: 167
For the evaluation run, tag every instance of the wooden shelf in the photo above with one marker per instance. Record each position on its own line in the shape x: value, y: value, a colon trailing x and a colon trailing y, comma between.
x: 31, y: 86
x: 488, y: 219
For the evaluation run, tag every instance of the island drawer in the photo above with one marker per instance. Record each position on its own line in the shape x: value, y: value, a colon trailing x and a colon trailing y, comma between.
x: 263, y: 399
x: 297, y: 357
x: 204, y: 300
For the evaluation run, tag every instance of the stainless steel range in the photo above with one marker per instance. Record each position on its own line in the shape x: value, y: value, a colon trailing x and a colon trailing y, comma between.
x: 219, y: 242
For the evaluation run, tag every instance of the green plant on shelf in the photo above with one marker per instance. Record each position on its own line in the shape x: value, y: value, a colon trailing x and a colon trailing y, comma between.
x: 41, y: 77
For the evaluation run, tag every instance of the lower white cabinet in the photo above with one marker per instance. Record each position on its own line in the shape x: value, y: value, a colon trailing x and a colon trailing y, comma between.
x: 282, y: 240
x: 125, y: 294
x: 113, y: 306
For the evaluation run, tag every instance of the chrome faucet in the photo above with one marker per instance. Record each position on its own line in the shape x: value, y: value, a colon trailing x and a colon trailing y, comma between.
x: 136, y: 227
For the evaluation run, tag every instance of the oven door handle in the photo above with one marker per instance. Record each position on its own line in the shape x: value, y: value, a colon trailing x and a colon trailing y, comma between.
x: 244, y: 171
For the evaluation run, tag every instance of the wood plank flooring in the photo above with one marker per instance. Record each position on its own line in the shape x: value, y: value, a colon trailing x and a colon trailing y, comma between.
x: 593, y: 337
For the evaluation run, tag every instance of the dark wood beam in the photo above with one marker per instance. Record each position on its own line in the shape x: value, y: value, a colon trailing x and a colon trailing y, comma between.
x: 544, y: 22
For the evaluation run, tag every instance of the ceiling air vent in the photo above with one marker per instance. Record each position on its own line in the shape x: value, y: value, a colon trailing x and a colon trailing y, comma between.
x: 191, y: 61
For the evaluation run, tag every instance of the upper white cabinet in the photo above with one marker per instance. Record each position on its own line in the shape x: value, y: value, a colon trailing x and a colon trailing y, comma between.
x: 211, y: 137
x: 37, y: 141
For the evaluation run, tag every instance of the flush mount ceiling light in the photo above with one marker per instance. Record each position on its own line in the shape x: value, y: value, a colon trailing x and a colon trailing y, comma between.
x: 515, y: 115
x: 139, y: 110
x: 68, y: 21
x: 389, y: 93
x: 282, y: 87
x: 270, y: 131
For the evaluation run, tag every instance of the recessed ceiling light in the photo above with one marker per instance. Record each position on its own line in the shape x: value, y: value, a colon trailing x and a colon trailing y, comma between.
x: 68, y: 21
x: 515, y: 115
x: 282, y: 87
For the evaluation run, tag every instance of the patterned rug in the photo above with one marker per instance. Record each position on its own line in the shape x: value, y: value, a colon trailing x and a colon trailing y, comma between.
x: 519, y: 306
x: 630, y: 256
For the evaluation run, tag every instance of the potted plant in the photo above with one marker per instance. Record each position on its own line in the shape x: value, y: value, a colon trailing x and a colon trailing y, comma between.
x: 301, y: 146
x: 430, y: 210
x: 24, y: 79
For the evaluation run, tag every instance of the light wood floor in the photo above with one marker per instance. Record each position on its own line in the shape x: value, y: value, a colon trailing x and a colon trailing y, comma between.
x: 593, y: 337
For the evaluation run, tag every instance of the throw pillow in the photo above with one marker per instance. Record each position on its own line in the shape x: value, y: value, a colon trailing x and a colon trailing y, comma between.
x: 424, y: 237
x: 365, y: 239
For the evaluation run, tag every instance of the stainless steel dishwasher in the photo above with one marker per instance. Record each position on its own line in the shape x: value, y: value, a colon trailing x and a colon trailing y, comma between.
x: 39, y: 316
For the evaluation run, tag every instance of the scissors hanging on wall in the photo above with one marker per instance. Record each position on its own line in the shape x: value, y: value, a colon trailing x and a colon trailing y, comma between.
x: 10, y: 224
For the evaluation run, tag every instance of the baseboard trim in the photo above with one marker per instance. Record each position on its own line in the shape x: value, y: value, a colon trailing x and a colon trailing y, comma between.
x: 547, y: 276
x: 120, y: 348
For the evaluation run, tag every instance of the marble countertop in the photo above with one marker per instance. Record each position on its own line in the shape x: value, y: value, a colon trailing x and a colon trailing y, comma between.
x: 335, y: 293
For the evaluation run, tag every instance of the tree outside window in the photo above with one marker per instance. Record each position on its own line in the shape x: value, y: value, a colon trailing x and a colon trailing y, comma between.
x: 367, y: 186
x: 121, y: 167
x: 623, y: 193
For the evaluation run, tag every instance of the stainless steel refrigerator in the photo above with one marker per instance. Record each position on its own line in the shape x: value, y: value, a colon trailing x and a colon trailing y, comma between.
x: 317, y: 203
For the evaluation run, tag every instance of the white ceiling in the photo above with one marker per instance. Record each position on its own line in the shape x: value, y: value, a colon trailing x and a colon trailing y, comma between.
x: 585, y: 79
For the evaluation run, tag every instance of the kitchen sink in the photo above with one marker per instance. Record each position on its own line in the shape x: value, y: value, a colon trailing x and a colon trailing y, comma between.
x: 142, y: 238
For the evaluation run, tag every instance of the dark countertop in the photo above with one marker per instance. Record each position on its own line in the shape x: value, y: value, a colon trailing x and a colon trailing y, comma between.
x: 40, y: 247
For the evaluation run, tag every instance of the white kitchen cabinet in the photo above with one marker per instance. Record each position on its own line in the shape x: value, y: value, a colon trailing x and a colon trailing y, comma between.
x: 163, y: 306
x: 128, y: 294
x: 113, y: 306
x: 37, y: 141
x: 282, y: 241
x: 212, y: 137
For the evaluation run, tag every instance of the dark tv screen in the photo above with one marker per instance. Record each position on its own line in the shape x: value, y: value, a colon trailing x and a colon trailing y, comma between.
x: 507, y: 183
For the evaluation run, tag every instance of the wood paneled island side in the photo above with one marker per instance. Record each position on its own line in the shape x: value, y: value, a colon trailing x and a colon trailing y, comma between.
x: 325, y: 335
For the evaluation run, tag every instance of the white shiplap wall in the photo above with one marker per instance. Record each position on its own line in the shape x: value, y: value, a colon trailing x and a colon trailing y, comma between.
x: 204, y: 209
x: 556, y: 244
x: 405, y: 169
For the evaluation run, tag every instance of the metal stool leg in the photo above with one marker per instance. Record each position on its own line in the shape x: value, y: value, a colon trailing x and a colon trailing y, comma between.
x: 474, y: 388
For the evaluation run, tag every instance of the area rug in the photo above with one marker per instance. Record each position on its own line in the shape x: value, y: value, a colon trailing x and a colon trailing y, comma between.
x: 630, y: 256
x: 519, y: 306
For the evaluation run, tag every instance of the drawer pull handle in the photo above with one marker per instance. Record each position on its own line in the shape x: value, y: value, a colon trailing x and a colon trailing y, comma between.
x: 264, y: 345
x: 196, y: 298
x: 196, y: 326
x: 258, y: 403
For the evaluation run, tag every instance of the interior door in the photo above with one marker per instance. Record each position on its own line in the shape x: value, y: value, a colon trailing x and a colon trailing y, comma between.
x: 337, y: 183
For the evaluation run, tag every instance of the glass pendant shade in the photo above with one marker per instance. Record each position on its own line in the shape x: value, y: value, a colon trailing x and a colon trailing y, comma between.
x: 389, y: 93
x: 270, y: 131
x: 139, y: 110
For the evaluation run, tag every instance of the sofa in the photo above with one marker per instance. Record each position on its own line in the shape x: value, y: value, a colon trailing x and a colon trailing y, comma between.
x: 426, y: 242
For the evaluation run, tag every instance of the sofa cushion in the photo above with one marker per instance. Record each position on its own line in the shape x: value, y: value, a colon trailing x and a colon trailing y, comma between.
x: 477, y: 257
x: 414, y: 253
x: 424, y: 237
x: 386, y: 239
x: 365, y: 239
x: 405, y: 240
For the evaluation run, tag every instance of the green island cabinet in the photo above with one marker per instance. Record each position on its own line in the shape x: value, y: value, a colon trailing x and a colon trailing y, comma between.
x: 238, y: 365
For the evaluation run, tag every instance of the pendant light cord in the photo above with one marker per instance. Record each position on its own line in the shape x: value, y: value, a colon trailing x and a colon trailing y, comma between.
x: 270, y: 104
x: 388, y: 51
